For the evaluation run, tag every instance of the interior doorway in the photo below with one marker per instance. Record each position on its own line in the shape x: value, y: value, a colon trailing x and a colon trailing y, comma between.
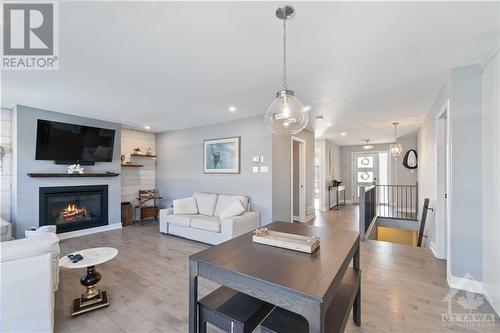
x: 442, y: 176
x: 298, y: 180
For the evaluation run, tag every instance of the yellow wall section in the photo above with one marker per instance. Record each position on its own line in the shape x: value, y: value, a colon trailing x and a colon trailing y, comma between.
x: 399, y: 236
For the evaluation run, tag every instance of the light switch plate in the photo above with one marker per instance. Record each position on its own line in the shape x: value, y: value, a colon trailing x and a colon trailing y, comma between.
x: 264, y: 169
x: 255, y: 169
x: 255, y: 159
x: 261, y: 159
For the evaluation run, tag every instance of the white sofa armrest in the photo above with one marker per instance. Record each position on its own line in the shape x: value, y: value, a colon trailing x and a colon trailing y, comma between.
x: 238, y: 225
x: 163, y: 214
x: 27, y: 294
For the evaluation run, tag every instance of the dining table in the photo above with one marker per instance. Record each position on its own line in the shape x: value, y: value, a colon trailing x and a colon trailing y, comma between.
x: 322, y: 286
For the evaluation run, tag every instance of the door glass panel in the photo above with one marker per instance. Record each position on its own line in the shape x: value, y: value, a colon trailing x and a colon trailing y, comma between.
x: 365, y: 162
x: 365, y: 176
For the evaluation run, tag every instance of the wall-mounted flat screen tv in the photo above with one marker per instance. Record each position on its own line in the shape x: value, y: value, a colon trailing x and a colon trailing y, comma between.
x: 62, y: 142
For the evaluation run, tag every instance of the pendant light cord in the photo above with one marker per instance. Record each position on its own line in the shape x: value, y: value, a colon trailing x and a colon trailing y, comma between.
x: 284, y: 55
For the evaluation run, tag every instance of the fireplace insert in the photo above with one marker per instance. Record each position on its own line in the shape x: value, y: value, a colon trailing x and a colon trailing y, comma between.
x: 72, y: 208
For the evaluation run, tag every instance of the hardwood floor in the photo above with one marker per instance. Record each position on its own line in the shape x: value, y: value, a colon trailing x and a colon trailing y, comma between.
x: 403, y: 288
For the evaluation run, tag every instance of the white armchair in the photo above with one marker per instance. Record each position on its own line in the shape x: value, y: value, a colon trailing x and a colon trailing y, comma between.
x: 29, y: 273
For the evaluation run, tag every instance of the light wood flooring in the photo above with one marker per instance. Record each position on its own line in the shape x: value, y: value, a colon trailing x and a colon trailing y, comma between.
x: 403, y: 288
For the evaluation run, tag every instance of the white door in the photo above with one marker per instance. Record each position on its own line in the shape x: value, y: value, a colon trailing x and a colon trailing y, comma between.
x: 365, y: 170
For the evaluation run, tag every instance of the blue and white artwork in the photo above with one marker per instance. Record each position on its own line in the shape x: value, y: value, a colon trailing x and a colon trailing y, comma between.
x: 222, y: 155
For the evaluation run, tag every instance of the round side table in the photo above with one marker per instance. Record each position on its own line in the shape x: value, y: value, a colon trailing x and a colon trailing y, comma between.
x: 92, y: 298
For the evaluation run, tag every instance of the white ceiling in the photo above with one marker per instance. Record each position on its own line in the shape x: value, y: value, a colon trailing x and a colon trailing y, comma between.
x: 176, y: 65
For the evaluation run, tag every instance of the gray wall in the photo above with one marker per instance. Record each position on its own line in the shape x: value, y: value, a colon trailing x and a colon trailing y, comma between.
x: 281, y: 179
x: 427, y: 161
x: 25, y: 189
x: 464, y: 91
x: 404, y: 176
x: 466, y: 234
x: 490, y: 105
x: 179, y: 169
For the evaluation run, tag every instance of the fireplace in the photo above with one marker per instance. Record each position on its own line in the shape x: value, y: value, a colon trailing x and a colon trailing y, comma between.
x: 72, y: 208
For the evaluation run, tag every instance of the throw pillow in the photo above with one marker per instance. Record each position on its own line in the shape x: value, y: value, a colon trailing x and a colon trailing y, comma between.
x: 185, y: 206
x: 234, y: 209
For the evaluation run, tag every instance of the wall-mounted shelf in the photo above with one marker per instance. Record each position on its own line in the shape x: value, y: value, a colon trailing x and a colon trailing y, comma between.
x: 132, y: 165
x: 142, y: 155
x: 71, y: 175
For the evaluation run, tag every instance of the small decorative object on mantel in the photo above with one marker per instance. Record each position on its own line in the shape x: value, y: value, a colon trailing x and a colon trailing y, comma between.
x: 307, y: 244
x: 148, y: 151
x: 75, y: 168
x: 122, y: 158
x: 137, y: 151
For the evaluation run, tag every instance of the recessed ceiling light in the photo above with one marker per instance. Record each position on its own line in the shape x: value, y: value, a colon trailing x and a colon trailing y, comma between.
x: 319, y: 118
x: 147, y: 127
x: 328, y: 124
x: 306, y: 108
x: 343, y: 133
x: 232, y: 109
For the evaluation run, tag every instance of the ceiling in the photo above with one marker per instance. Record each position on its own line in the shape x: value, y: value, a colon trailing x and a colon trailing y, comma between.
x: 173, y: 65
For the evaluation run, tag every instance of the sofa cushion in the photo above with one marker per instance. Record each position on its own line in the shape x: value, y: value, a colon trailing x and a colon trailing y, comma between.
x: 234, y: 209
x: 206, y: 203
x: 185, y: 206
x: 182, y: 220
x: 224, y: 200
x: 206, y: 223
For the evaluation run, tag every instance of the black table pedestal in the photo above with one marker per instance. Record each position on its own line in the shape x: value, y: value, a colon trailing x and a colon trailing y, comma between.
x: 92, y: 298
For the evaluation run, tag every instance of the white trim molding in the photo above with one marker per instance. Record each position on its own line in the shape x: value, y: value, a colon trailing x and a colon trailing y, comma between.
x: 89, y: 231
x: 466, y: 284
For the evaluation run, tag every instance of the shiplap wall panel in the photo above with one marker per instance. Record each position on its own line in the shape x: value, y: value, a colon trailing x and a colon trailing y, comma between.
x: 135, y: 179
x: 6, y: 163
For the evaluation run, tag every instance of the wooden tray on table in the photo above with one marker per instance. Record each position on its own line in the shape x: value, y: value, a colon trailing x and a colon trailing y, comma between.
x: 307, y: 244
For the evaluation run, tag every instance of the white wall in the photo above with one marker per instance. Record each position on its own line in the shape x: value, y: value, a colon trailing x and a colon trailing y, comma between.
x: 490, y: 105
x: 6, y: 163
x: 135, y: 179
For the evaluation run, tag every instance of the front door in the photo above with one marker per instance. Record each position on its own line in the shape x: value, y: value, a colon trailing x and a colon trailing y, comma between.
x: 364, y: 172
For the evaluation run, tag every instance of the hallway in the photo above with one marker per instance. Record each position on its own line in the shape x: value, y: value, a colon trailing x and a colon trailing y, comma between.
x: 404, y: 286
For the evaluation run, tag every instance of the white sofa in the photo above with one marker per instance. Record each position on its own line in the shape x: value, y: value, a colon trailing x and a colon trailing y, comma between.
x: 29, y: 278
x: 5, y: 230
x: 205, y: 224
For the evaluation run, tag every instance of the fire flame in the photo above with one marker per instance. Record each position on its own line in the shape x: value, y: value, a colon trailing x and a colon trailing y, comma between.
x: 73, y: 210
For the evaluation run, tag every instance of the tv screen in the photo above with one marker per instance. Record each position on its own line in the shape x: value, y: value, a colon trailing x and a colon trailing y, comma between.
x: 73, y: 143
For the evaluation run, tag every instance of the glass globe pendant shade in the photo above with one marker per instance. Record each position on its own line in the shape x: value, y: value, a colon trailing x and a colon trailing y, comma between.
x: 396, y: 150
x: 286, y: 115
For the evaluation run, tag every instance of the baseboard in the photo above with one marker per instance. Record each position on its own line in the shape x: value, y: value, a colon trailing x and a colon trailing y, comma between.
x: 89, y: 231
x: 432, y: 246
x: 466, y: 284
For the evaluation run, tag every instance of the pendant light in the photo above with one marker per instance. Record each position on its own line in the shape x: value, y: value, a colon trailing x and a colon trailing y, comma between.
x: 286, y: 115
x: 396, y: 148
x: 367, y: 145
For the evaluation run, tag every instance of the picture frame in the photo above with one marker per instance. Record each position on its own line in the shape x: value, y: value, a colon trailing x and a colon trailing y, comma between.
x: 222, y: 156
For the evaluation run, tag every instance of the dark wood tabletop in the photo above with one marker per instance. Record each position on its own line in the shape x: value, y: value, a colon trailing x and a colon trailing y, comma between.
x: 308, y: 274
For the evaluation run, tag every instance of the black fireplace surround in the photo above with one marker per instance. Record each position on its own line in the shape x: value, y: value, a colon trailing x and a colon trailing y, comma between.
x: 72, y: 208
